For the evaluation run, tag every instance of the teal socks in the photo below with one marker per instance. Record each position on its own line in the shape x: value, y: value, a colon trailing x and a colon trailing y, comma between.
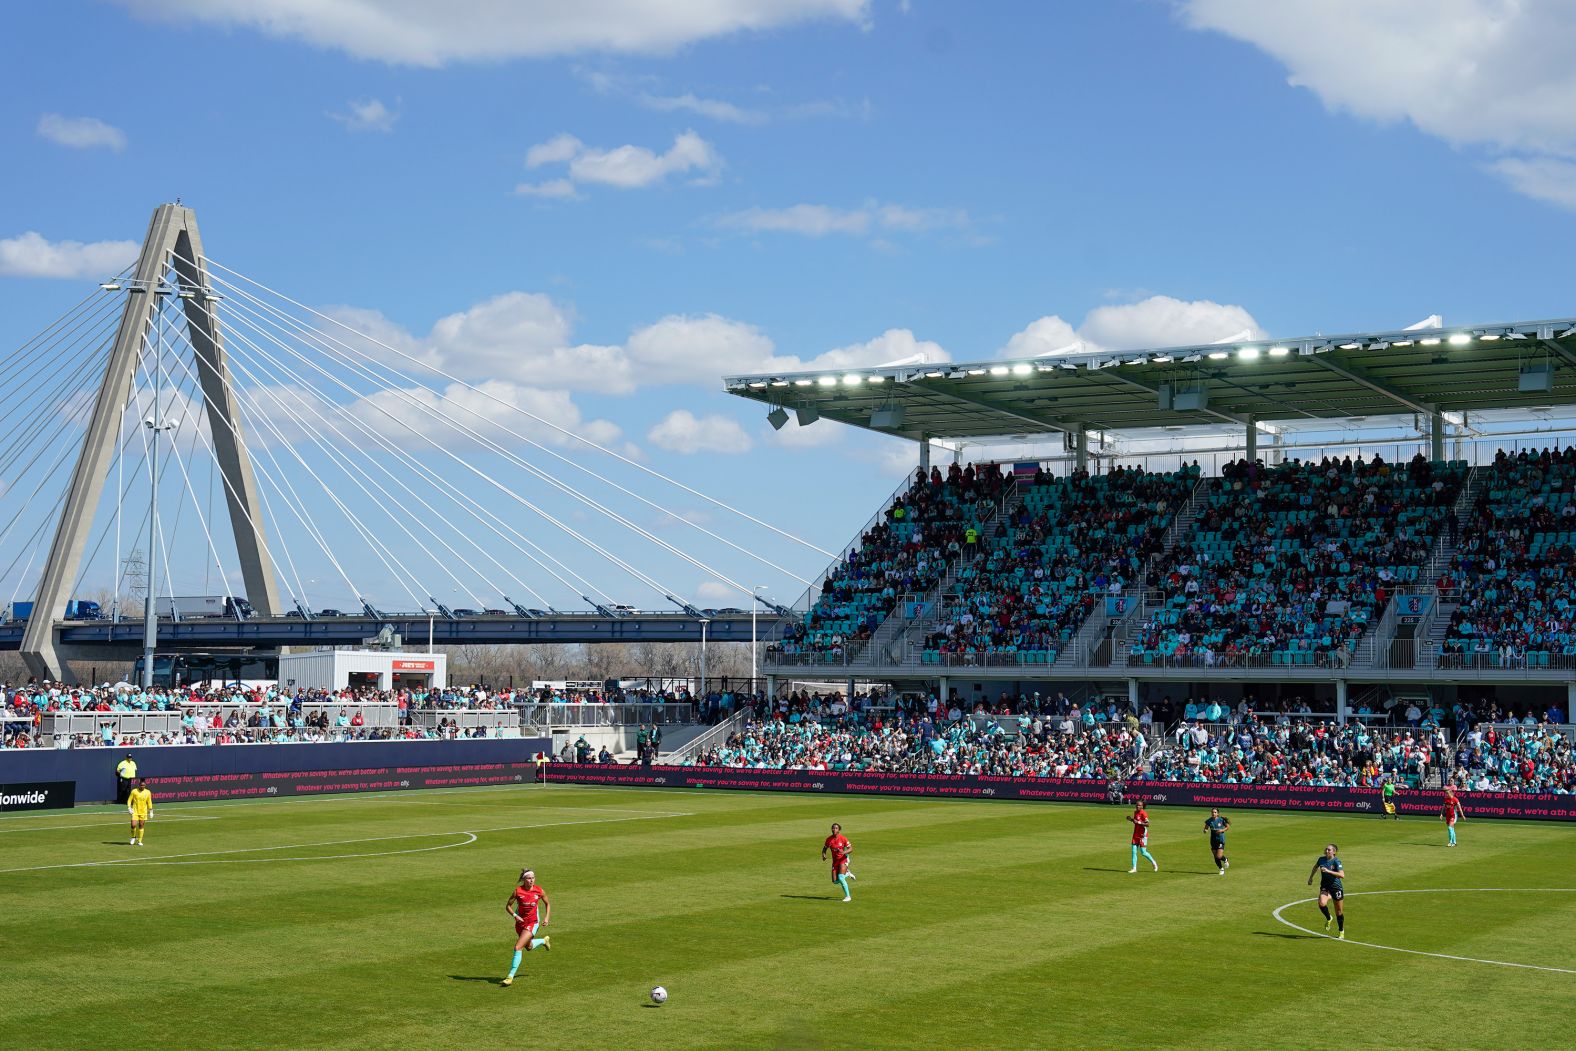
x: 514, y: 965
x: 537, y: 943
x: 842, y: 881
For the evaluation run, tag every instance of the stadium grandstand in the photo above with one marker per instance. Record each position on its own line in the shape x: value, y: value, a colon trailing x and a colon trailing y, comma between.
x: 1356, y: 525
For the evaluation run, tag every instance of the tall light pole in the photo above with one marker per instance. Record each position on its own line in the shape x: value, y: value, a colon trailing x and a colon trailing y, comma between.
x: 755, y: 598
x: 156, y: 427
x: 703, y: 623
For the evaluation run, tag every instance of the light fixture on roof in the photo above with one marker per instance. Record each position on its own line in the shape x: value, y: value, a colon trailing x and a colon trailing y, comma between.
x: 803, y: 383
x: 1460, y: 339
x: 1353, y: 345
x: 875, y: 379
x: 1402, y: 343
x: 1216, y: 355
x: 1379, y: 345
x: 1248, y: 353
x: 1431, y: 341
x: 779, y: 383
x: 777, y: 417
x: 1193, y: 357
x: 807, y: 415
x: 934, y: 374
x: 998, y: 370
x: 852, y: 379
x: 1162, y: 359
x: 827, y: 381
x: 1022, y: 369
x: 1279, y: 352
x: 1488, y: 337
x: 757, y: 384
x: 976, y: 372
x: 110, y: 286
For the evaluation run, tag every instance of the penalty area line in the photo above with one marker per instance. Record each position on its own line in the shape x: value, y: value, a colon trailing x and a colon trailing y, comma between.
x: 181, y: 859
x: 1419, y: 952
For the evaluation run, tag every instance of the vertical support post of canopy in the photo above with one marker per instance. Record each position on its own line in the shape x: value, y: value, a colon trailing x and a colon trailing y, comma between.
x: 1436, y: 447
x: 1343, y: 710
x: 1080, y: 447
x: 1253, y: 439
x: 924, y: 453
x: 172, y: 236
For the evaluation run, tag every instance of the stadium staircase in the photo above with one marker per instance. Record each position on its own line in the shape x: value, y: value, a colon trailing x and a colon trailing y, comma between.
x: 702, y: 738
x: 891, y: 642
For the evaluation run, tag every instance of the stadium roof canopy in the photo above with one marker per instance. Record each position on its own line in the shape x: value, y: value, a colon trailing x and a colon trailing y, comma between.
x: 1450, y: 369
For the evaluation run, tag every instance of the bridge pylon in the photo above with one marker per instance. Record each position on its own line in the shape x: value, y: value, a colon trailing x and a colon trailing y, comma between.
x: 171, y: 259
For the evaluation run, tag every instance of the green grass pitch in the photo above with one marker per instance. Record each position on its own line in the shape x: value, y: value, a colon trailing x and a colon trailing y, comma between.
x: 378, y: 922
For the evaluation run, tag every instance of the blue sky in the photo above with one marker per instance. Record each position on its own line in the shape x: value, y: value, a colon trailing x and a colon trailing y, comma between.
x: 694, y: 188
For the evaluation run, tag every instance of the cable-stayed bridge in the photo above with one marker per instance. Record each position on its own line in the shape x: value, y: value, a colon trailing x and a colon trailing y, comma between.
x: 263, y: 473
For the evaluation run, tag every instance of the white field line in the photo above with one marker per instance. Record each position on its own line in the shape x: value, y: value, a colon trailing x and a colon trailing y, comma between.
x: 177, y: 859
x: 96, y: 824
x: 1436, y: 955
x: 344, y: 797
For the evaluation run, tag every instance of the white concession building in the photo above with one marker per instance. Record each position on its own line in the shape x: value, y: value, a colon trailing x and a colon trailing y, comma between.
x: 378, y: 669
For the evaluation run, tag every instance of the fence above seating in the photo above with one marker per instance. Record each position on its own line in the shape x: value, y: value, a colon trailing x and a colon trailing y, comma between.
x: 546, y: 716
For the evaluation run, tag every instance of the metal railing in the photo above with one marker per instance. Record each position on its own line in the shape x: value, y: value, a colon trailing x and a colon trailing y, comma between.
x: 721, y: 732
x: 549, y: 716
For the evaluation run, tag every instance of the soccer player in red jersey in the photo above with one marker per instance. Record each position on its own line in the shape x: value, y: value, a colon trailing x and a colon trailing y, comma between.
x: 1140, y: 820
x: 1451, y: 812
x: 522, y: 906
x: 838, y: 844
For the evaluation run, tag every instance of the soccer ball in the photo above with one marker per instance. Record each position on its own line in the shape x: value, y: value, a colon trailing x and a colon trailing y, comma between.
x: 659, y: 995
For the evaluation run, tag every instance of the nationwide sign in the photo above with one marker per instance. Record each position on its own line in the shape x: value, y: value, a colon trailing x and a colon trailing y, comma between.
x: 38, y: 795
x: 1546, y: 806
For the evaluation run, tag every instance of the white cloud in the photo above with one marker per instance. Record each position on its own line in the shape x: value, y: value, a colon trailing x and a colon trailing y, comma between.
x: 443, y: 417
x: 630, y: 167
x: 555, y: 150
x: 820, y: 220
x: 367, y: 115
x: 81, y: 133
x: 552, y: 189
x: 895, y: 344
x: 714, y: 591
x: 817, y: 435
x: 681, y: 431
x: 421, y: 33
x: 682, y: 349
x: 1163, y: 321
x: 1487, y: 74
x: 624, y: 167
x: 1158, y: 321
x: 31, y: 255
x: 716, y: 109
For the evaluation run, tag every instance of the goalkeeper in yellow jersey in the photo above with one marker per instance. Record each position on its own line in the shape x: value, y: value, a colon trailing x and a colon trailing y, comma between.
x: 140, y: 806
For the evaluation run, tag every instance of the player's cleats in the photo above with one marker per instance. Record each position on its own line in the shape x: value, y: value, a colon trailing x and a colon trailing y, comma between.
x: 847, y: 900
x: 1228, y: 863
x: 507, y: 982
x: 1220, y: 872
x: 1327, y: 926
x: 1156, y: 864
x: 1132, y: 870
x: 547, y: 943
x: 850, y: 875
x: 132, y: 841
x: 1341, y: 936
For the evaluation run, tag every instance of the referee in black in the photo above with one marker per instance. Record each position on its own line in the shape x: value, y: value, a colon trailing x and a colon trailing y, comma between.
x: 125, y: 777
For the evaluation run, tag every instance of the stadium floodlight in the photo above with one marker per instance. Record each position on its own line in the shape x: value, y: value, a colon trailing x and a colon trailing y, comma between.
x: 1192, y: 358
x: 1487, y: 337
x: 758, y: 384
x: 976, y: 372
x: 934, y: 374
x: 1022, y: 369
x: 1431, y: 341
x: 1353, y: 345
x: 852, y: 379
x: 777, y: 417
x: 1279, y: 352
x: 875, y: 379
x: 1217, y: 355
x: 1248, y: 353
x: 803, y: 383
x: 807, y: 415
x: 828, y: 381
x: 1379, y: 345
x: 1402, y: 343
x: 998, y: 370
x: 1460, y: 339
x: 1162, y: 359
x: 779, y: 383
x: 110, y: 286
